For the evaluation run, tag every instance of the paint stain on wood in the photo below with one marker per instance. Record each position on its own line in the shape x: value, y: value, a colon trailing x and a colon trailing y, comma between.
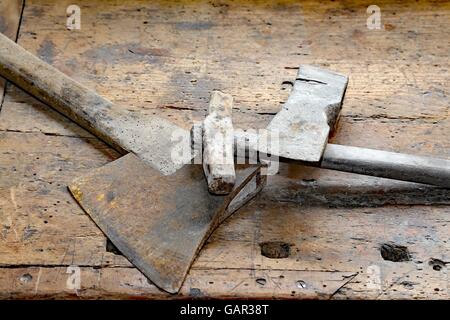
x: 3, y: 26
x: 186, y: 25
x: 46, y: 51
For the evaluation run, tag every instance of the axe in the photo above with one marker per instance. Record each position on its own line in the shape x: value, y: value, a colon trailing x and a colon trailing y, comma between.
x: 155, y: 209
x: 158, y: 211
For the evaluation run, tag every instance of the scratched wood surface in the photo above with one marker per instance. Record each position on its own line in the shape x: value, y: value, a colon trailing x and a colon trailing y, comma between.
x: 164, y: 58
x: 10, y: 13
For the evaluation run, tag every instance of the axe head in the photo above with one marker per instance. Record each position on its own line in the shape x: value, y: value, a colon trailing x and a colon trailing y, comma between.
x: 159, y: 222
x: 300, y: 130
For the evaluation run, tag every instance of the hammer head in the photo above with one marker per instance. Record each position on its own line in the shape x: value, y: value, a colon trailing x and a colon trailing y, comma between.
x: 300, y: 130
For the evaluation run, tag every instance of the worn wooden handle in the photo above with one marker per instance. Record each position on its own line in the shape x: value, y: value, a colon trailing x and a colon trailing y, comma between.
x: 51, y: 86
x: 149, y: 137
x: 386, y: 164
x: 368, y: 162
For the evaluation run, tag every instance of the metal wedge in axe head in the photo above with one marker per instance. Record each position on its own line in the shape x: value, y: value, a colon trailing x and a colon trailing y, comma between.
x: 299, y: 133
x: 216, y: 134
x: 155, y: 209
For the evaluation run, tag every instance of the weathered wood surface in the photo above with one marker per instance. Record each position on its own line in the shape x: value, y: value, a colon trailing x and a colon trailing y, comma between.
x: 10, y: 13
x: 164, y: 58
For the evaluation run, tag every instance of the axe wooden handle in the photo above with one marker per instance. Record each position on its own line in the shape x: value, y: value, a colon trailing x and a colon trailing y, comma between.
x: 149, y: 137
x: 386, y: 164
x: 51, y: 86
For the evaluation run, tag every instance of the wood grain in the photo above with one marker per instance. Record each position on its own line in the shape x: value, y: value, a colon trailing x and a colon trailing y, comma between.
x: 164, y: 58
x: 10, y: 13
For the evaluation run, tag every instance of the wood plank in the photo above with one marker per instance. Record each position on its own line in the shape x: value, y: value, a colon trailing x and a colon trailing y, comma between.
x: 40, y: 235
x: 107, y: 283
x: 179, y: 55
x: 36, y: 168
x: 10, y: 14
x: 164, y: 58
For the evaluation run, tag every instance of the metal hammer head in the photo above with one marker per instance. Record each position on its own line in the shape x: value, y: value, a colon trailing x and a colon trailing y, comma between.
x: 302, y: 127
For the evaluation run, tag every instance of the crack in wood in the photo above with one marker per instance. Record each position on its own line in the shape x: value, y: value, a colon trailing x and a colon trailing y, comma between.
x: 55, y: 134
x: 351, y: 277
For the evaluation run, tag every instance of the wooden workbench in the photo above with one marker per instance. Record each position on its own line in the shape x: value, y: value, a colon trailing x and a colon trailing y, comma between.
x: 342, y: 231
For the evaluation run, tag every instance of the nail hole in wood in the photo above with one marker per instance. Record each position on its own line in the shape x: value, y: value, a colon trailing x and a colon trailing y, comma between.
x: 275, y: 249
x: 394, y: 252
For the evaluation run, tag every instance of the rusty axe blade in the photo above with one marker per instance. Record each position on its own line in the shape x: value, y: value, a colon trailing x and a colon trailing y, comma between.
x: 156, y: 210
x: 159, y: 222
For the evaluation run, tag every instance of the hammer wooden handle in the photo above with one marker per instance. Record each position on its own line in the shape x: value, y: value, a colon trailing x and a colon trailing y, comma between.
x: 368, y: 162
x: 386, y: 164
